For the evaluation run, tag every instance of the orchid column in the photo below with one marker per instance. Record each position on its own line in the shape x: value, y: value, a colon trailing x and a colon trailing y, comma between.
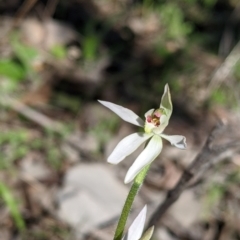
x: 156, y: 120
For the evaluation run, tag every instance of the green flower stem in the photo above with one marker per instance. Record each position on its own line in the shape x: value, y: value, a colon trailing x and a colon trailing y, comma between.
x: 129, y: 201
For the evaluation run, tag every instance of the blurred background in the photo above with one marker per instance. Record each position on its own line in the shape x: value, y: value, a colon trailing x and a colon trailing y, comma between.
x: 58, y: 57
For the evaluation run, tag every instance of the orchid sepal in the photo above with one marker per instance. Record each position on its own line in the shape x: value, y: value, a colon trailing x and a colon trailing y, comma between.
x: 150, y: 152
x: 124, y: 113
x: 178, y: 141
x: 166, y: 102
x: 127, y: 146
x: 136, y: 229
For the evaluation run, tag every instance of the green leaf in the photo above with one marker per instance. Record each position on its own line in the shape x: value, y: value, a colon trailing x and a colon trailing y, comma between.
x: 11, y: 70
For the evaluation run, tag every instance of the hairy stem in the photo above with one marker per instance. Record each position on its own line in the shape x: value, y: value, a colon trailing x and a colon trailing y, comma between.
x: 129, y: 201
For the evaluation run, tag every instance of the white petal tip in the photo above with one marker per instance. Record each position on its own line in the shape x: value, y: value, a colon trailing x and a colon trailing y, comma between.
x: 124, y: 113
x: 182, y: 144
x: 126, y: 181
x: 128, y: 178
x: 144, y: 210
x: 112, y: 162
x: 176, y: 140
x: 115, y: 160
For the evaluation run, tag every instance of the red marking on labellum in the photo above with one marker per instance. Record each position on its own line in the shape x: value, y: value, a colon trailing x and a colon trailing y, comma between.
x: 149, y: 119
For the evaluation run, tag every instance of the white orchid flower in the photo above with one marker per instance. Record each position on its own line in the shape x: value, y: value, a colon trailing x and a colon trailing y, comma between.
x: 136, y: 229
x: 155, y: 123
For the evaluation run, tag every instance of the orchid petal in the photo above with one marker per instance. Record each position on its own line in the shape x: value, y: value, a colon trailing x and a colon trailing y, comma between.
x: 164, y: 122
x: 151, y: 151
x: 176, y: 140
x: 166, y: 105
x: 124, y: 113
x: 127, y: 146
x: 136, y: 229
x: 148, y: 234
x: 166, y: 102
x: 149, y: 113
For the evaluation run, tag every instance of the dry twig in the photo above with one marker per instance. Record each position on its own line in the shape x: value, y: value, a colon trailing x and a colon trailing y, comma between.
x: 50, y: 8
x: 23, y: 10
x: 210, y: 154
x: 225, y: 70
x: 30, y: 113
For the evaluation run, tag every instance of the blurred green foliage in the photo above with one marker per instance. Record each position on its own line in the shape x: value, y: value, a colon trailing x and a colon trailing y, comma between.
x: 225, y: 96
x: 217, y: 190
x: 209, y: 3
x: 64, y: 101
x: 237, y: 71
x: 15, y: 144
x: 219, y: 96
x: 213, y: 196
x: 59, y: 51
x: 11, y: 70
x: 25, y: 54
x: 104, y: 130
x: 173, y: 19
x: 91, y: 41
x: 46, y: 234
x: 19, y: 67
x: 11, y: 203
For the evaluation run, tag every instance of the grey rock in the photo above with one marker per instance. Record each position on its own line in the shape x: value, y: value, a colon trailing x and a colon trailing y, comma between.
x: 187, y: 210
x: 91, y: 196
x: 33, y: 166
x: 47, y: 34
